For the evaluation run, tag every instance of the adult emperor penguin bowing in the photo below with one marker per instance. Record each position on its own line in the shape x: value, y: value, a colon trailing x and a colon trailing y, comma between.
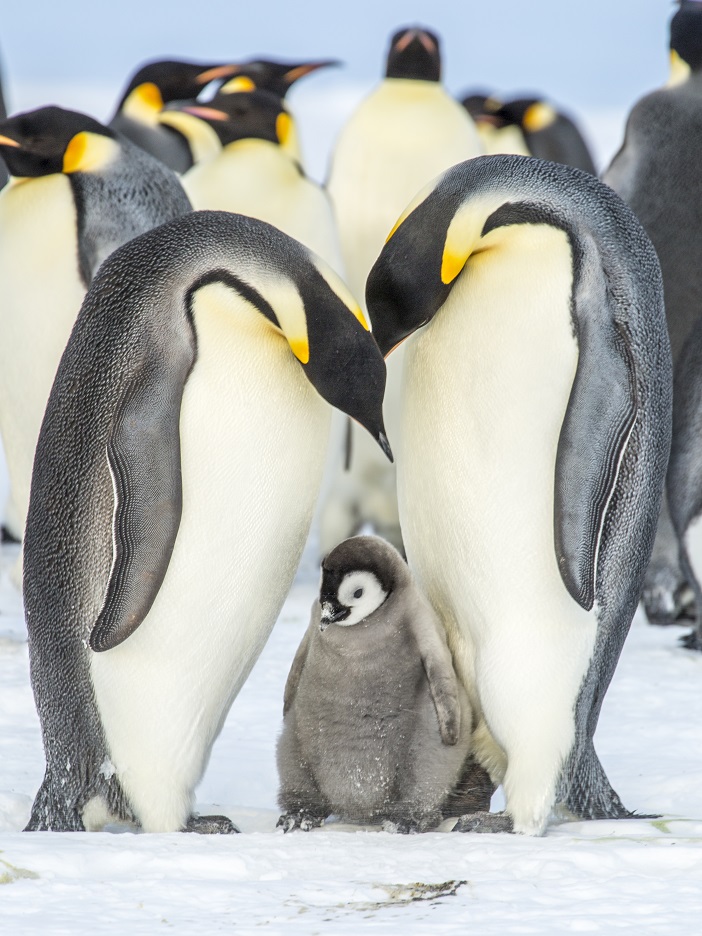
x: 534, y: 437
x: 176, y: 475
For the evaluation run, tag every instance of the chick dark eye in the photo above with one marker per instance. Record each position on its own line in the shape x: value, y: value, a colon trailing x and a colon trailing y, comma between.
x: 358, y: 593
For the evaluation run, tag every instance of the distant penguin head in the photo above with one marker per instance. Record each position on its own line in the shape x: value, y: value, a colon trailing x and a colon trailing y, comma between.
x: 358, y: 575
x: 532, y: 114
x: 158, y: 83
x: 686, y: 40
x: 414, y: 53
x: 248, y: 115
x: 275, y: 77
x: 483, y: 108
x: 52, y: 140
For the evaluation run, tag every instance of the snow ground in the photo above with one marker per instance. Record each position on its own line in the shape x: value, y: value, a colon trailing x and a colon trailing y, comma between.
x: 597, y: 877
x: 594, y: 877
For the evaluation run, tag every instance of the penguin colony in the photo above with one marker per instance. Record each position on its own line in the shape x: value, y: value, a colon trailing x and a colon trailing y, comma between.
x: 186, y: 433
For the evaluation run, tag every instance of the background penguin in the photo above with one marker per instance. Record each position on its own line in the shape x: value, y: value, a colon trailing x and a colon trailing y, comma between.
x: 376, y: 725
x: 403, y: 134
x: 685, y: 471
x: 530, y: 480
x: 658, y: 172
x: 276, y: 78
x: 78, y: 192
x: 496, y: 134
x: 254, y: 175
x: 153, y: 86
x: 176, y: 474
x: 548, y: 133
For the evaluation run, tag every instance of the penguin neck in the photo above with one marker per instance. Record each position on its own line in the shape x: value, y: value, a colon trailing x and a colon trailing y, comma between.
x: 263, y: 155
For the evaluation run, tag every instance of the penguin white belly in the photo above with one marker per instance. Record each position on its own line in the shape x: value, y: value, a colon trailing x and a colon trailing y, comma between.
x: 487, y: 385
x: 258, y: 179
x: 41, y: 295
x: 402, y: 136
x: 253, y: 439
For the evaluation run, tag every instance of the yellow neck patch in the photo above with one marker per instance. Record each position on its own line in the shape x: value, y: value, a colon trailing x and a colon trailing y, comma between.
x: 538, y: 117
x: 680, y: 71
x: 283, y: 127
x: 238, y: 84
x: 463, y: 238
x: 282, y: 295
x: 143, y: 103
x: 89, y: 152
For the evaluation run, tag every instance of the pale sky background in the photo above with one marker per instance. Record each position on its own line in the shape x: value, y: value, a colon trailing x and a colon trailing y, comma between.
x: 601, y: 53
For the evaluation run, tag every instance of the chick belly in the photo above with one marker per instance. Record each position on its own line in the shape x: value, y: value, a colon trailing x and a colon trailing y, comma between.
x: 487, y: 385
x: 253, y: 438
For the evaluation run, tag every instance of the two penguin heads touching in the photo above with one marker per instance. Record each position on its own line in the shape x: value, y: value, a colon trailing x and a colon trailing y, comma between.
x: 357, y: 577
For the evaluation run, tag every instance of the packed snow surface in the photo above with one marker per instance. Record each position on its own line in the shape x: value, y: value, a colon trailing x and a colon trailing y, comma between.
x: 584, y: 877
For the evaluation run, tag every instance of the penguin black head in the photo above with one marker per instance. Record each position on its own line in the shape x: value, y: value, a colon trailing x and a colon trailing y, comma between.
x: 358, y: 575
x: 275, y: 77
x: 483, y: 108
x: 249, y: 114
x: 686, y: 33
x: 530, y: 113
x: 158, y: 83
x: 414, y: 53
x: 50, y: 140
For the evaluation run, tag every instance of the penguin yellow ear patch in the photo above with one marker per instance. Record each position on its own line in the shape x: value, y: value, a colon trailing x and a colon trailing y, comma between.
x: 238, y: 84
x: 87, y: 152
x: 149, y: 95
x: 538, y: 117
x: 285, y: 300
x: 283, y: 126
x: 680, y: 71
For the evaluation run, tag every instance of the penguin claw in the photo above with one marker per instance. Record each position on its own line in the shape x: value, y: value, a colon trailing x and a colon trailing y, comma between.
x: 302, y: 820
x: 211, y: 825
x: 484, y: 822
x: 692, y: 641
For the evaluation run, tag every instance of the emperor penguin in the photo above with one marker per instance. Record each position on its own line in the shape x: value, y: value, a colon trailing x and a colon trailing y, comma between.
x: 175, y: 479
x: 253, y: 174
x: 155, y: 84
x: 548, y: 133
x: 496, y: 134
x: 402, y: 135
x: 78, y: 191
x: 376, y: 726
x: 657, y: 172
x: 531, y: 455
x: 277, y: 78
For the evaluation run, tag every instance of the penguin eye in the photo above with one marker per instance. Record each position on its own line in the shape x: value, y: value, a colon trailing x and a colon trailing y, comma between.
x: 358, y: 593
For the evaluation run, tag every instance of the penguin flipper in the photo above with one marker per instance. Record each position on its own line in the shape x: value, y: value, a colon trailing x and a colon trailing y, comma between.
x: 438, y: 666
x: 298, y: 664
x: 599, y: 418
x: 143, y: 452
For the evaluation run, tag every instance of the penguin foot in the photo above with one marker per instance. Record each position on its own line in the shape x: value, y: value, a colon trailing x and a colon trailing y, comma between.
x: 210, y: 825
x: 692, y: 641
x: 302, y: 820
x: 7, y: 537
x: 484, y: 822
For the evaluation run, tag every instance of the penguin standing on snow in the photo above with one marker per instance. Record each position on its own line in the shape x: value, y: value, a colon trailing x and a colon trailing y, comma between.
x: 253, y: 174
x: 79, y: 190
x: 176, y: 475
x: 531, y: 456
x: 376, y: 725
x: 407, y: 131
x: 658, y: 173
x: 138, y: 114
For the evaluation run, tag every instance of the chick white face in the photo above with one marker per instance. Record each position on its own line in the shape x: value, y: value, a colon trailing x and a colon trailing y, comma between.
x: 359, y: 594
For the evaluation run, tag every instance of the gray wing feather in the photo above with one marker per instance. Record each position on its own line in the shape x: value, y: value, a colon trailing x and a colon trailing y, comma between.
x: 298, y: 664
x: 143, y: 451
x: 441, y: 675
x: 599, y: 418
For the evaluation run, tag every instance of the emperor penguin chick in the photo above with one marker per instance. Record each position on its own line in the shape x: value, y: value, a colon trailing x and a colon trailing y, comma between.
x: 376, y: 725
